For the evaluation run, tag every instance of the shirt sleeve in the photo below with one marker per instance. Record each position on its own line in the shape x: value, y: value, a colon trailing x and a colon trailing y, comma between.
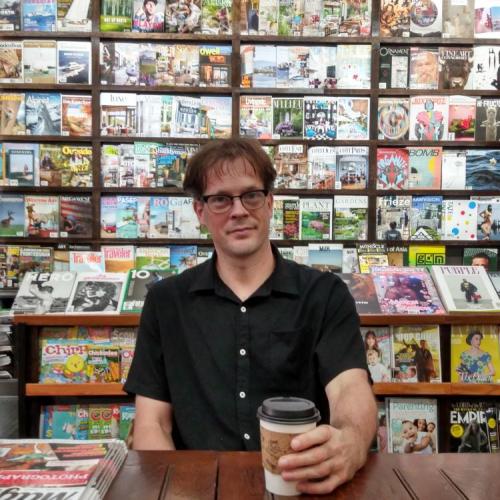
x: 147, y: 376
x: 340, y: 346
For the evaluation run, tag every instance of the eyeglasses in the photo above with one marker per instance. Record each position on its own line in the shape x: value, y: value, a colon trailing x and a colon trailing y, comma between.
x: 220, y: 203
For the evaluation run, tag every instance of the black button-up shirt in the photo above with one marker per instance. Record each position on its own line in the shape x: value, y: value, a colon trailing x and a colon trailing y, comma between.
x: 216, y: 358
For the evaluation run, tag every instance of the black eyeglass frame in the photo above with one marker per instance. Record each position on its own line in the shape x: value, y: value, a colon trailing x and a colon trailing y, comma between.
x: 206, y: 199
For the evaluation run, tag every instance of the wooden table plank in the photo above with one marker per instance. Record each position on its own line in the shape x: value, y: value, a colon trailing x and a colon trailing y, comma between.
x: 240, y: 476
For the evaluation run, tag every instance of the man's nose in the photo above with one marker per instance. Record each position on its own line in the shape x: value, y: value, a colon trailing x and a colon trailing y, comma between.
x: 237, y: 208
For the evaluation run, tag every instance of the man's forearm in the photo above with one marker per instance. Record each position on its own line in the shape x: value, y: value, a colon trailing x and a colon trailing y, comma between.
x: 152, y: 437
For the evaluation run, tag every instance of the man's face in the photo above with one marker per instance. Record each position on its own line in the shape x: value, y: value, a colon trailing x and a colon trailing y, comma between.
x: 149, y: 8
x: 480, y: 261
x: 238, y: 232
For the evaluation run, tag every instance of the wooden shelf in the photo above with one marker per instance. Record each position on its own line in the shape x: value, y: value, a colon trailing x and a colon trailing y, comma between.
x: 77, y: 319
x: 165, y: 89
x: 75, y: 390
x: 63, y: 87
x: 412, y: 389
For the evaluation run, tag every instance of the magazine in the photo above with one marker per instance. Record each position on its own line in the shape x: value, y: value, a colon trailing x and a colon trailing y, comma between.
x: 377, y: 342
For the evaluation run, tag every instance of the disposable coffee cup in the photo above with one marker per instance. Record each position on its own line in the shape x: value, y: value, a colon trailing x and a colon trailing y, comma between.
x: 281, y: 419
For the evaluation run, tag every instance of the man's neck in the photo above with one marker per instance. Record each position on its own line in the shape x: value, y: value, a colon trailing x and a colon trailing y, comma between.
x: 245, y: 276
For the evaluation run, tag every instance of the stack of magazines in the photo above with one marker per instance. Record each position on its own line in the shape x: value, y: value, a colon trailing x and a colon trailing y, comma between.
x: 37, y: 468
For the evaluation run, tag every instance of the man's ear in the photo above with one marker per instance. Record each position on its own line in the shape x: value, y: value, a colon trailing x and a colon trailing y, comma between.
x: 198, y: 206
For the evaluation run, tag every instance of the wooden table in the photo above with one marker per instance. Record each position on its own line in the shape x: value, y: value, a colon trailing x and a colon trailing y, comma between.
x: 199, y: 475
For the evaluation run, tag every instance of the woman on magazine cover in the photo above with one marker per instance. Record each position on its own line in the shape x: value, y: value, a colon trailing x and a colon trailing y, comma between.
x: 475, y: 364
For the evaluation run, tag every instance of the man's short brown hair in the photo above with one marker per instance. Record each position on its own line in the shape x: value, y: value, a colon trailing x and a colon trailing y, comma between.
x: 214, y: 156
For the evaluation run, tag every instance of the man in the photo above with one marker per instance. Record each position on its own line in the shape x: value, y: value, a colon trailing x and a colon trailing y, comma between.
x: 246, y: 325
x: 481, y: 259
x: 146, y: 19
x: 470, y: 291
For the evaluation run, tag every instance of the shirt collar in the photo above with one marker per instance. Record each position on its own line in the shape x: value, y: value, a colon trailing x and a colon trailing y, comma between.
x: 284, y: 278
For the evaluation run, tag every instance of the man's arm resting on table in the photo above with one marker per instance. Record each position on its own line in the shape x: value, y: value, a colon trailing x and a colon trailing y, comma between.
x: 152, y: 424
x: 331, y: 454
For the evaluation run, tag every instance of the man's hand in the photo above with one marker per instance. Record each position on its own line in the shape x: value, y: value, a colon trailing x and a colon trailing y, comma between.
x: 325, y: 458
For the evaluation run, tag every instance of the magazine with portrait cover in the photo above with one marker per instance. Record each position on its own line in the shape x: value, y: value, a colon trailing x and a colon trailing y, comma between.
x: 458, y: 16
x: 394, y: 19
x: 416, y: 354
x: 394, y: 67
x: 40, y: 61
x: 453, y: 169
x: 465, y: 289
x: 97, y: 293
x: 183, y: 17
x: 425, y: 219
x: 352, y: 167
x: 424, y: 68
x: 455, y: 67
x: 118, y: 259
x: 116, y: 16
x: 74, y: 15
x: 74, y: 62
x: 21, y: 163
x: 462, y: 118
x: 43, y: 113
x: 392, y: 168
x: 351, y: 218
x: 12, y: 114
x: 352, y: 118
x: 353, y: 66
x: 288, y: 117
x: 393, y: 216
x: 393, y: 118
x: 473, y: 427
x: 486, y: 19
x: 39, y: 15
x: 363, y: 291
x: 482, y: 169
x: 486, y: 67
x: 76, y: 119
x: 316, y: 218
x: 413, y: 425
x: 320, y: 118
x: 487, y: 120
x: 460, y: 220
x: 426, y: 18
x: 10, y: 15
x: 256, y: 116
x: 425, y: 167
x: 75, y: 216
x: 321, y: 167
x: 429, y: 118
x: 426, y: 255
x: 486, y: 257
x: 475, y: 354
x: 42, y: 293
x: 325, y: 257
x: 291, y: 164
x: 148, y: 18
x: 406, y: 290
x: 11, y: 59
x: 377, y: 342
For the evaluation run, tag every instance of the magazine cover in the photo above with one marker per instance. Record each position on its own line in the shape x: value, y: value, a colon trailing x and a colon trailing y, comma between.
x: 40, y: 61
x: 118, y: 114
x: 11, y: 215
x: 475, y: 356
x: 288, y: 117
x: 12, y: 114
x: 327, y: 257
x: 148, y: 115
x: 462, y: 118
x: 263, y: 66
x: 394, y: 19
x: 42, y: 293
x: 76, y: 115
x: 465, y: 288
x: 74, y: 62
x: 256, y: 116
x: 183, y: 257
x: 378, y: 352
x: 291, y: 164
x: 487, y: 216
x: 455, y: 67
x: 458, y: 18
x: 393, y: 217
x: 428, y: 118
x: 21, y: 163
x: 216, y: 121
x: 426, y: 18
x: 424, y: 67
x: 406, y: 290
x: 43, y: 113
x: 316, y: 218
x: 425, y: 167
x: 321, y: 167
x: 320, y: 118
x: 353, y: 66
x: 426, y: 217
x: 392, y: 168
x: 75, y: 216
x: 63, y: 361
x: 426, y: 255
x: 393, y: 118
x: 39, y: 15
x: 352, y: 118
x: 216, y: 17
x: 41, y: 216
x: 276, y: 223
x: 182, y: 221
x: 416, y: 353
x: 495, y: 280
x: 183, y: 16
x: 77, y: 166
x: 352, y: 167
x: 103, y: 363
x: 453, y: 169
x: 74, y: 15
x: 97, y: 293
x: 470, y: 423
x: 363, y: 291
x: 11, y: 62
x: 148, y: 17
x: 10, y: 15
x: 185, y: 116
x: 291, y: 219
x: 215, y: 65
x: 86, y: 261
x: 394, y: 67
x: 487, y: 120
x: 486, y: 67
x: 116, y: 16
x: 351, y: 218
x: 152, y: 258
x: 482, y: 169
x: 486, y: 19
x: 477, y: 256
x: 118, y: 259
x: 413, y: 425
x: 460, y: 220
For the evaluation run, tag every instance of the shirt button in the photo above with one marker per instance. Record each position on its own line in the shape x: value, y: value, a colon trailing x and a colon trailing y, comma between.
x: 243, y: 309
x: 243, y: 352
x: 246, y: 436
x: 242, y: 395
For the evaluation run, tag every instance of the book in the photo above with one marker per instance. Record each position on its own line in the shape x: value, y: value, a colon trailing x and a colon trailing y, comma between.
x: 41, y: 216
x: 406, y: 290
x: 43, y: 113
x: 455, y: 67
x: 424, y: 67
x: 352, y: 118
x: 74, y: 15
x: 482, y: 169
x: 42, y: 293
x: 137, y: 286
x: 216, y: 17
x: 393, y: 118
x: 325, y: 257
x: 426, y: 18
x: 426, y: 255
x: 97, y: 293
x: 39, y: 15
x: 10, y: 15
x: 40, y: 61
x: 74, y: 62
x: 425, y: 167
x: 428, y: 118
x: 394, y: 19
x: 394, y: 67
x: 458, y: 18
x: 316, y: 218
x: 148, y: 18
x: 465, y: 289
x: 256, y: 116
x: 288, y: 117
x: 116, y: 17
x: 487, y: 120
x: 75, y: 216
x: 477, y: 256
x: 118, y: 259
x: 12, y: 114
x: 352, y: 167
x: 475, y: 356
x: 11, y: 215
x: 416, y: 353
x: 393, y: 217
x: 412, y: 425
x: 351, y: 218
x: 363, y: 291
x: 76, y: 111
x: 86, y: 261
x: 425, y: 219
x: 462, y: 118
x: 11, y: 59
x: 460, y: 220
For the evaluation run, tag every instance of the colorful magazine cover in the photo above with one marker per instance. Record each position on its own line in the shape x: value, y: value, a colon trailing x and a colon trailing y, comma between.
x: 425, y: 167
x: 482, y: 169
x: 43, y: 113
x: 74, y: 15
x: 316, y: 218
x: 352, y: 118
x: 455, y: 67
x: 63, y: 361
x: 393, y: 118
x: 103, y: 363
x: 11, y: 215
x: 41, y: 216
x: 425, y: 220
x: 39, y: 15
x: 12, y: 114
x: 393, y: 215
x: 256, y: 116
x: 429, y: 118
x: 363, y: 290
x: 352, y: 167
x: 11, y: 62
x: 351, y: 218
x: 377, y: 342
x: 116, y: 16
x: 325, y: 257
x: 148, y: 17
